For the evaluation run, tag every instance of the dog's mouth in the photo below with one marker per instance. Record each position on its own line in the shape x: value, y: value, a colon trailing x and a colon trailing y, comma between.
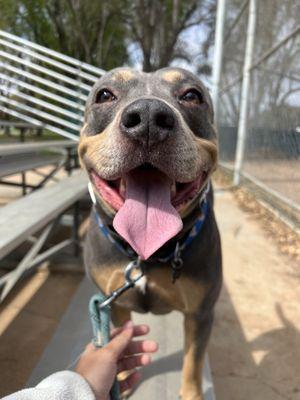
x: 148, y: 204
x: 113, y: 192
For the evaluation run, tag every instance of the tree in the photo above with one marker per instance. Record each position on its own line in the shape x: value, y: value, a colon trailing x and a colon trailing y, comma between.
x: 157, y: 27
x: 103, y: 32
x: 88, y: 30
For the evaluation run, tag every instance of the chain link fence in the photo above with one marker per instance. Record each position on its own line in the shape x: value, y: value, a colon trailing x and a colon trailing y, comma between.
x: 259, y: 99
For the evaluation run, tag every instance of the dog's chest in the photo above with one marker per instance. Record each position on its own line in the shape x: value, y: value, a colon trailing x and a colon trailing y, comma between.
x: 155, y: 293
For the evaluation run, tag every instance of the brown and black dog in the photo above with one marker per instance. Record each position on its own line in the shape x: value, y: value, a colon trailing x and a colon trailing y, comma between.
x: 149, y: 146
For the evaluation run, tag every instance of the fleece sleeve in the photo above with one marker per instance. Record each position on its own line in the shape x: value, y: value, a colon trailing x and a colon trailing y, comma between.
x: 63, y: 385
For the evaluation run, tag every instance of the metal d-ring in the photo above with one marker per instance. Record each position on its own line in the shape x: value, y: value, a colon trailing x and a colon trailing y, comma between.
x: 176, y: 263
x: 133, y: 266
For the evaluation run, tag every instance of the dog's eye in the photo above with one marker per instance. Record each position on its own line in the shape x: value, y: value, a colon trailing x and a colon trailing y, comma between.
x: 105, y: 96
x: 192, y: 96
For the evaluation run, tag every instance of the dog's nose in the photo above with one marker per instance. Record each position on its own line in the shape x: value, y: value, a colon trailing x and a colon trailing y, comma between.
x: 148, y: 121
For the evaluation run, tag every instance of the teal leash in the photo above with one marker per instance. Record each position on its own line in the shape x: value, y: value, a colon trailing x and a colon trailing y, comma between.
x: 100, y: 318
x: 99, y: 310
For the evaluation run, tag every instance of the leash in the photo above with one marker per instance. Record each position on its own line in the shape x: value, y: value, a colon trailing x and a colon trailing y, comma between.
x: 99, y: 310
x: 100, y: 318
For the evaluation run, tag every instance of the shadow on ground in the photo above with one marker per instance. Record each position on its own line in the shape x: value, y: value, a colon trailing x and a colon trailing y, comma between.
x: 27, y: 334
x: 260, y: 368
x: 264, y: 368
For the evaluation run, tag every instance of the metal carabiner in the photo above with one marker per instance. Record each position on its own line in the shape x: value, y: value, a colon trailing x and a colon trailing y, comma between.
x: 129, y: 282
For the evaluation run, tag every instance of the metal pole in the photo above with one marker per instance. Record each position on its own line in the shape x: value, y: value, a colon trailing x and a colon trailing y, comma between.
x: 218, y: 55
x: 243, y: 117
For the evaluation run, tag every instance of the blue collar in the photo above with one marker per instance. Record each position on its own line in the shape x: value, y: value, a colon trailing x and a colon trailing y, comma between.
x: 175, y: 256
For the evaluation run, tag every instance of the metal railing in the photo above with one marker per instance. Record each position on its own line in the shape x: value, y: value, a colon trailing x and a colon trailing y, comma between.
x: 42, y: 86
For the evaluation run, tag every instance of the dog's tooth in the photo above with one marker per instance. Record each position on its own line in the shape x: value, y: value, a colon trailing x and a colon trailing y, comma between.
x: 122, y: 187
x: 173, y: 189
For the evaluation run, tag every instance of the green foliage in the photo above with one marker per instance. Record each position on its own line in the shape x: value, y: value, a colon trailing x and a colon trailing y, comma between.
x: 85, y: 29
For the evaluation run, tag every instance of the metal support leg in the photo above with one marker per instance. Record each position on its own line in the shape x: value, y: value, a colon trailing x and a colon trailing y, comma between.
x: 49, y: 175
x: 15, y: 184
x: 23, y: 265
x: 75, y: 229
x: 22, y: 134
x: 23, y: 175
x: 68, y: 166
x: 45, y: 255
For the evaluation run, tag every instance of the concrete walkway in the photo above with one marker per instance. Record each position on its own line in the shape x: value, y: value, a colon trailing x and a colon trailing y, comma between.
x: 161, y: 380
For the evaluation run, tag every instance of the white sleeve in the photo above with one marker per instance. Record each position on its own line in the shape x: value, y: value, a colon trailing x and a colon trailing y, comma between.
x: 63, y: 385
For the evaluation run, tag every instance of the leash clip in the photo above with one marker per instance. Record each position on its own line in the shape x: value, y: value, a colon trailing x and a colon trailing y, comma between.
x: 130, y: 281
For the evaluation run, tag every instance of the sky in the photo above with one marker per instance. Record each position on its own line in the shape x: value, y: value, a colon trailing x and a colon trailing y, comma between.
x: 193, y: 38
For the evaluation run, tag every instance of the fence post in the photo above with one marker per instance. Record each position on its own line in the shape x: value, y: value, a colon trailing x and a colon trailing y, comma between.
x: 218, y: 56
x: 243, y: 115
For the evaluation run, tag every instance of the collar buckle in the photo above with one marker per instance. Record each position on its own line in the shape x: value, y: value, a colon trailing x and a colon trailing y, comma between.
x: 176, y: 263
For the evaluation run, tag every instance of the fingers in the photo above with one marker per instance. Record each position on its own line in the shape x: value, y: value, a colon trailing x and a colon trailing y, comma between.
x: 138, y: 330
x: 122, y: 341
x: 90, y: 347
x: 141, y: 346
x: 129, y: 382
x: 128, y: 363
x: 119, y: 343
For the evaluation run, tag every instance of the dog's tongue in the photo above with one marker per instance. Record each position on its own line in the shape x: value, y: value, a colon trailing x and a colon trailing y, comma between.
x: 147, y: 219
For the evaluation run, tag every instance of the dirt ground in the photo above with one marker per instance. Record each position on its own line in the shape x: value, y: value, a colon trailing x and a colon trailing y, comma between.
x: 255, y: 346
x: 285, y: 180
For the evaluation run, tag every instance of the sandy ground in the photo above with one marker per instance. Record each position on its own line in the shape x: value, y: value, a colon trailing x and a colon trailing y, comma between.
x: 283, y: 176
x: 255, y: 346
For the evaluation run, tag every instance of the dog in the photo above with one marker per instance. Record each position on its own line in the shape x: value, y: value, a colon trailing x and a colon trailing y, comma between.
x: 149, y: 146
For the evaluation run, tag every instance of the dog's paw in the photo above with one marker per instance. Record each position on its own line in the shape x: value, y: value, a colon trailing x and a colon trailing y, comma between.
x: 125, y: 396
x: 122, y: 376
x: 191, y: 397
x: 191, y: 394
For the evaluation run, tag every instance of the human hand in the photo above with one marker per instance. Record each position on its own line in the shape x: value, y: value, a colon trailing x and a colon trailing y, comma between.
x: 99, y: 366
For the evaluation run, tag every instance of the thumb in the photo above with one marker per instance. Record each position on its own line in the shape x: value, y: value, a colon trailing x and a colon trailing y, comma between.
x: 119, y: 343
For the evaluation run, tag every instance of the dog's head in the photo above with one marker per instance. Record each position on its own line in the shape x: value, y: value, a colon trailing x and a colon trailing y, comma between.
x: 149, y: 146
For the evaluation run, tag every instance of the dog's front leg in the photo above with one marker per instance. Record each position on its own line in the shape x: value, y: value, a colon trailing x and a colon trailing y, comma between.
x: 119, y: 315
x: 197, y: 331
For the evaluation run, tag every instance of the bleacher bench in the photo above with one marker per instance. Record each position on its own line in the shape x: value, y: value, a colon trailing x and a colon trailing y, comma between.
x: 28, y: 215
x: 19, y: 158
x: 15, y: 164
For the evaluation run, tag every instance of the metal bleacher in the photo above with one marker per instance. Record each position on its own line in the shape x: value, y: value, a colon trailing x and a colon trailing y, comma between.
x: 43, y: 87
x: 48, y: 90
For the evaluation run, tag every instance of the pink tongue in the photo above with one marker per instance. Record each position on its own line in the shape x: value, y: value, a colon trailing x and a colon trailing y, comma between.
x: 147, y: 219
